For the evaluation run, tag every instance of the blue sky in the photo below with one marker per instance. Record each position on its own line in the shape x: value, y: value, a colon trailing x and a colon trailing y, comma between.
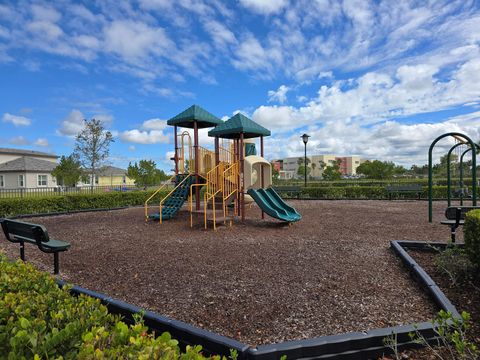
x: 379, y: 79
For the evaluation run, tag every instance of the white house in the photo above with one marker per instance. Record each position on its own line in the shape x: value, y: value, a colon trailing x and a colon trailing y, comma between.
x: 26, y: 169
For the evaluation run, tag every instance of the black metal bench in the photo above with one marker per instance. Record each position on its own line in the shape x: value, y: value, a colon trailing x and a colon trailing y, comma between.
x: 290, y: 190
x: 456, y: 217
x: 404, y: 189
x: 22, y: 232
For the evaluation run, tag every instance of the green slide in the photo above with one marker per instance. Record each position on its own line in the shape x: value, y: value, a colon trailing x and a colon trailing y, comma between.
x: 176, y: 200
x: 271, y: 203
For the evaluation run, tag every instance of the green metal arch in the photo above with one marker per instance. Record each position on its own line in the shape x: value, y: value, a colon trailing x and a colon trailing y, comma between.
x: 449, y: 177
x: 430, y: 168
x: 461, y: 168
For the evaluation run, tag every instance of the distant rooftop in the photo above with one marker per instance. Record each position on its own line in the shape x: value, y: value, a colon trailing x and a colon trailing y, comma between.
x: 28, y: 164
x: 26, y: 152
x: 111, y: 171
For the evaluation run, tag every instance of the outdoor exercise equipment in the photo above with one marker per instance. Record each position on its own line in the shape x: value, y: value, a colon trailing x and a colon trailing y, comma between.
x: 464, y: 139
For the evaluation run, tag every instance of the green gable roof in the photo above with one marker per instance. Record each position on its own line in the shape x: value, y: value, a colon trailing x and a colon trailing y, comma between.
x: 195, y: 113
x: 237, y: 124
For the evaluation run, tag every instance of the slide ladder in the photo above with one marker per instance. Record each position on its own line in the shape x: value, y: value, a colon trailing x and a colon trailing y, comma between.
x: 175, y: 199
x: 271, y: 203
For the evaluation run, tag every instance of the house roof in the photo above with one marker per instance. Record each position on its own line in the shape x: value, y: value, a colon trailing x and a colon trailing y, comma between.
x: 238, y: 124
x: 195, y: 113
x: 111, y: 171
x: 28, y: 164
x: 21, y: 152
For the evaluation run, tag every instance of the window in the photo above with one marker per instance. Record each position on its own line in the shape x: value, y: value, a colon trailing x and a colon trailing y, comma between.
x: 124, y: 179
x: 42, y: 180
x: 21, y: 180
x: 87, y: 180
x: 2, y: 181
x: 357, y: 162
x: 96, y: 180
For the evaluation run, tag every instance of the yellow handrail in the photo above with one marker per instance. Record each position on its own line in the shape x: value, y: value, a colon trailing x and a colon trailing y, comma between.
x: 225, y: 155
x: 230, y: 184
x: 206, y: 198
x: 214, y: 186
x: 155, y: 193
x: 170, y: 193
x: 182, y: 168
x: 206, y: 160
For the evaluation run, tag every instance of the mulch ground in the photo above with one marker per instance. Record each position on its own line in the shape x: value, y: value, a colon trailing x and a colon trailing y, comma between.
x: 464, y: 294
x: 258, y: 282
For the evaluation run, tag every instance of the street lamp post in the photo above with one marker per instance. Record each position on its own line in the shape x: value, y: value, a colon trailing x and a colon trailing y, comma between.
x: 305, y: 140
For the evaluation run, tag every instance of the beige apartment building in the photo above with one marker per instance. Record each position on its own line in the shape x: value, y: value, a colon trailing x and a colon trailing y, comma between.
x: 348, y: 164
x: 26, y: 169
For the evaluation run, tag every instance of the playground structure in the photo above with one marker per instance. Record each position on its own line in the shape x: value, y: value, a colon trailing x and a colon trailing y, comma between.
x: 229, y: 176
x: 461, y: 140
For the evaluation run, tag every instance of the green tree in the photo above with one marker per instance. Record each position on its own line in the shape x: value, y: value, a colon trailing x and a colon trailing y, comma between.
x: 69, y: 170
x: 377, y: 169
x: 301, y: 170
x: 92, y: 146
x: 332, y: 172
x: 419, y: 170
x: 275, y: 174
x: 440, y: 169
x: 145, y: 173
x: 301, y: 167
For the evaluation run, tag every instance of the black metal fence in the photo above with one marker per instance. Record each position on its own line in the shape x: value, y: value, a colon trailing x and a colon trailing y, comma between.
x: 63, y: 190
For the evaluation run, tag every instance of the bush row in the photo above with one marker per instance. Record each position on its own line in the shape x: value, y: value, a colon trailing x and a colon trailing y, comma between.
x: 372, y: 182
x: 363, y: 192
x: 38, y: 320
x: 472, y: 236
x: 65, y: 203
x: 75, y: 202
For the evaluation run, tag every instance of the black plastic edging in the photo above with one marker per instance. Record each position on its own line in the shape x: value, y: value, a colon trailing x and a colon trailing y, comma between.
x: 422, y: 277
x: 186, y: 334
x: 360, y: 345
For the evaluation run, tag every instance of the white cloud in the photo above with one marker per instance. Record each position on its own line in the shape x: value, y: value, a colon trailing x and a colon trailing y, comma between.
x: 104, y: 118
x: 43, y: 142
x: 265, y: 7
x: 280, y: 118
x: 144, y: 137
x: 45, y: 13
x: 131, y: 148
x: 72, y: 124
x: 135, y: 41
x: 19, y: 140
x: 152, y: 132
x: 16, y: 120
x: 404, y: 144
x: 154, y: 124
x: 280, y: 95
x: 220, y: 34
x: 251, y: 55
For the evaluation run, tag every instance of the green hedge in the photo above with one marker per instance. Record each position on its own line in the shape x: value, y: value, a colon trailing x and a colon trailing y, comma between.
x: 38, y: 320
x: 48, y: 204
x: 472, y: 236
x: 372, y: 182
x: 65, y: 203
x: 365, y: 192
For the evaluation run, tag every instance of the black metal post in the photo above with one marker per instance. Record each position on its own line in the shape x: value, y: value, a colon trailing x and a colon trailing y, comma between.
x: 56, y: 266
x: 305, y: 164
x: 305, y: 140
